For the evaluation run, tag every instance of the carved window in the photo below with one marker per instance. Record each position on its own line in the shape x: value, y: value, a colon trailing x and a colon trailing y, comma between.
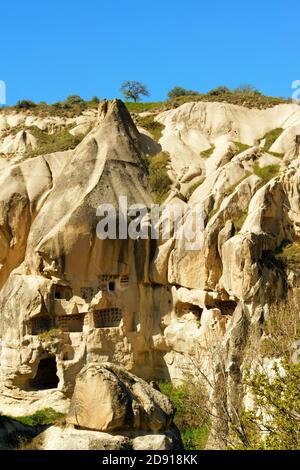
x: 124, y: 281
x: 40, y: 324
x: 107, y: 318
x: 62, y: 292
x: 227, y: 307
x: 87, y: 293
x: 71, y: 323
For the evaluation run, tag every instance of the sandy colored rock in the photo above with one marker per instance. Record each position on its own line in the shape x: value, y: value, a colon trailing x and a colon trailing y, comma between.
x: 107, y: 397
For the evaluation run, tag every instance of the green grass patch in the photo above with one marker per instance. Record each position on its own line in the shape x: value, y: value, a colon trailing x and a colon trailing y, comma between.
x: 159, y: 180
x: 45, y: 417
x: 148, y: 123
x: 276, y: 154
x: 266, y: 172
x: 271, y: 136
x: 238, y: 223
x: 143, y: 107
x: 241, y: 147
x: 50, y: 335
x: 208, y: 153
x: 288, y: 255
x: 50, y: 143
x: 190, y: 418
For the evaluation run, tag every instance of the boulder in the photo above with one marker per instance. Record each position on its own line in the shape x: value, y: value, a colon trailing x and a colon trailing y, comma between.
x: 68, y: 438
x: 107, y: 398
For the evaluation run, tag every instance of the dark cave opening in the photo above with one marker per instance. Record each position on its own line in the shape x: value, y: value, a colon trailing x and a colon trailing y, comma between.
x: 46, y: 376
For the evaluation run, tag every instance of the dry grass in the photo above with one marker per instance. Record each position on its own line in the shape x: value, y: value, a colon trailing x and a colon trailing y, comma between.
x: 281, y: 327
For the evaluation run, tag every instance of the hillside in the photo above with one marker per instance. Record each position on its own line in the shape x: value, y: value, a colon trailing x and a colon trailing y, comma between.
x: 169, y: 309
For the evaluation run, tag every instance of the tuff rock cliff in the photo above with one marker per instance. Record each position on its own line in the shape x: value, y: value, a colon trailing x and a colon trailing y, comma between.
x: 69, y: 300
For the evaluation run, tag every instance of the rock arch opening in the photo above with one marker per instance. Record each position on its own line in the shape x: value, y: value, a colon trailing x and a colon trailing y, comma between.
x: 46, y: 376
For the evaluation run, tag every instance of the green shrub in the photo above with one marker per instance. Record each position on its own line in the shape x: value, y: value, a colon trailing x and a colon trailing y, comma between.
x: 46, y: 416
x: 50, y: 334
x: 178, y: 91
x: 281, y: 328
x: 270, y: 137
x: 159, y: 180
x: 247, y: 89
x: 155, y: 128
x: 220, y: 90
x: 95, y: 100
x: 49, y: 143
x: 208, y: 153
x: 73, y: 100
x: 241, y: 147
x: 267, y: 172
x: 25, y: 104
x: 274, y: 423
x: 191, y: 417
x: 288, y: 255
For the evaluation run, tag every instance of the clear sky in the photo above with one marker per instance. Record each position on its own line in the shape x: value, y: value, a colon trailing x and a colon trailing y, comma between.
x: 55, y: 48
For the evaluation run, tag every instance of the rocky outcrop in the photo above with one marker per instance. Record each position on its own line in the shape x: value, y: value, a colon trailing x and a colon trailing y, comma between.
x: 112, y: 409
x: 68, y: 438
x: 108, y: 398
x: 196, y: 127
x: 71, y: 301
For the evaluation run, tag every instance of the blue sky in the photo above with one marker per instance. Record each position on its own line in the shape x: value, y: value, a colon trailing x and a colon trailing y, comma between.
x: 56, y: 48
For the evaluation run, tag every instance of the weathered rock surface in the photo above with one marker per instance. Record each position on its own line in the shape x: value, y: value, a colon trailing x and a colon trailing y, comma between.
x: 71, y: 302
x: 195, y: 127
x: 108, y: 398
x: 68, y: 438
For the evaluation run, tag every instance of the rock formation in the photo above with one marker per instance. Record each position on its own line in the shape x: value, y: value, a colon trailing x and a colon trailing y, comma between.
x: 113, y: 409
x: 70, y: 301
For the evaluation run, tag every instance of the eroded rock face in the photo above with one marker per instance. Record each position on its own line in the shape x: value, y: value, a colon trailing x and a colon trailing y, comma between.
x: 70, y: 301
x: 100, y: 300
x: 68, y: 438
x: 108, y: 398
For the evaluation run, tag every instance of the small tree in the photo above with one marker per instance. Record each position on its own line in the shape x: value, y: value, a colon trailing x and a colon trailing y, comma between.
x: 133, y: 90
x: 220, y: 90
x: 178, y: 91
x: 95, y: 99
x: 25, y: 104
x: 73, y: 100
x: 247, y: 89
x: 274, y: 422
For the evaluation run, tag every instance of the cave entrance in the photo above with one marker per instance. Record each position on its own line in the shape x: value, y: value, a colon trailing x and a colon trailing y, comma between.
x: 46, y: 376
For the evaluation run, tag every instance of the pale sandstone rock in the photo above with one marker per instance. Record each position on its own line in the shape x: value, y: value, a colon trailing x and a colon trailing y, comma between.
x: 194, y: 127
x: 80, y: 129
x: 68, y: 438
x: 21, y: 142
x: 107, y: 397
x: 157, y: 307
